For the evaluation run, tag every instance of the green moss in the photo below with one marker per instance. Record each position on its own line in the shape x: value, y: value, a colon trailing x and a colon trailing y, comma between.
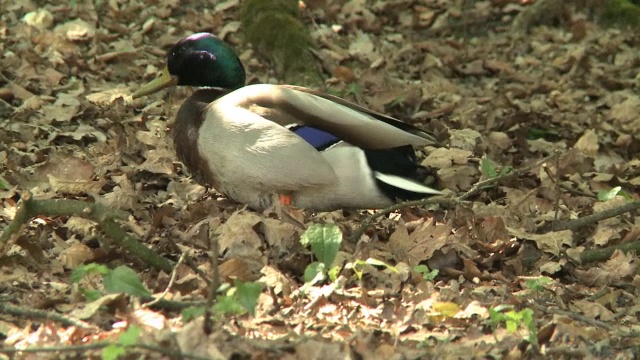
x: 620, y: 12
x: 276, y: 32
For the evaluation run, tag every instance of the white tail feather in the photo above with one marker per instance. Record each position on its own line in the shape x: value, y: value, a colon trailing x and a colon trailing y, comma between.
x: 405, y: 184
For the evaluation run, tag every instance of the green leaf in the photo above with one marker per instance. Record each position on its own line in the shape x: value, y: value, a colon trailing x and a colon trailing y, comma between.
x: 80, y: 272
x: 512, y: 326
x: 605, y: 195
x: 539, y: 133
x: 130, y: 336
x: 487, y: 168
x: 247, y: 294
x: 314, y: 273
x: 376, y: 262
x: 112, y: 352
x: 325, y: 240
x: 228, y: 305
x: 4, y: 185
x: 334, y: 272
x: 505, y: 170
x: 500, y: 308
x: 191, y: 313
x: 91, y: 295
x: 427, y: 275
x: 124, y: 280
x: 354, y: 89
x: 538, y: 284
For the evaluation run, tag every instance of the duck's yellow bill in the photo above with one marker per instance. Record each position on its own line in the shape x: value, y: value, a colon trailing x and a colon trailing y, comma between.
x: 163, y: 81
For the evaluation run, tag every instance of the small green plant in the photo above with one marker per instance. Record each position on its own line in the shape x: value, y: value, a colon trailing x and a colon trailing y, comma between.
x: 239, y: 299
x: 85, y: 272
x: 604, y: 195
x: 539, y: 133
x: 324, y: 240
x: 119, y: 280
x: 514, y: 320
x: 398, y: 102
x: 427, y: 275
x: 358, y: 266
x: 538, y: 284
x: 4, y: 184
x: 489, y: 170
x: 126, y: 340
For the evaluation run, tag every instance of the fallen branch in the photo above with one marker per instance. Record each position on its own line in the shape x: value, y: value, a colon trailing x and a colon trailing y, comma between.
x: 603, y: 254
x: 100, y: 345
x: 593, y: 218
x: 42, y: 315
x: 104, y: 216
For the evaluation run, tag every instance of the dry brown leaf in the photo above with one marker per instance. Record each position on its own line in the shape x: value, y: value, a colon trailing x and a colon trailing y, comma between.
x: 159, y: 161
x: 40, y: 18
x: 625, y: 113
x: 620, y: 265
x: 458, y: 177
x: 499, y: 139
x: 443, y: 158
x: 465, y: 139
x: 421, y: 243
x: 238, y: 269
x: 277, y: 281
x: 237, y: 234
x: 551, y: 242
x: 192, y: 339
x: 76, y: 30
x: 123, y: 196
x: 280, y: 234
x: 568, y: 327
x: 85, y: 311
x: 592, y: 310
x: 588, y: 143
x: 74, y: 186
x: 75, y: 255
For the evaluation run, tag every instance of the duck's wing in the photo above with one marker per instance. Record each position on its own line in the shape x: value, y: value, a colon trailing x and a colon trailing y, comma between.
x: 242, y: 147
x: 287, y: 105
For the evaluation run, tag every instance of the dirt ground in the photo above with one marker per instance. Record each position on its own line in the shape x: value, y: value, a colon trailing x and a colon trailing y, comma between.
x: 537, y: 103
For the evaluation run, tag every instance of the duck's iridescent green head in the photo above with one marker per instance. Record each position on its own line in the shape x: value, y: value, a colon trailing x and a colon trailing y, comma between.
x: 200, y: 59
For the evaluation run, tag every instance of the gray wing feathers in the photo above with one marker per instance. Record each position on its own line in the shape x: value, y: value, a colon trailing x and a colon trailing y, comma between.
x: 350, y: 122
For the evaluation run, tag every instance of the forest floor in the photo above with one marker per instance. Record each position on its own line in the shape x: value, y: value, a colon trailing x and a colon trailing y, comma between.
x: 539, y: 107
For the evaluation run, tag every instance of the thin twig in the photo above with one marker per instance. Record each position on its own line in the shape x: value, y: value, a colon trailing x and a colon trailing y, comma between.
x: 578, y: 192
x: 382, y: 212
x: 481, y: 185
x: 172, y: 280
x: 477, y: 187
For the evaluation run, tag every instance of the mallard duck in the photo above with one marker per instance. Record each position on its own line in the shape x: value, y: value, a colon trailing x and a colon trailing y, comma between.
x: 260, y: 143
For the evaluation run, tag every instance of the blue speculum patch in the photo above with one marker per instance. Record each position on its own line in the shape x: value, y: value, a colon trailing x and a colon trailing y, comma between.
x: 319, y: 139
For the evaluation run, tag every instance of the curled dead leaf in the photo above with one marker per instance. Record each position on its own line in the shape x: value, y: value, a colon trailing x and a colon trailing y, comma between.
x: 75, y: 255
